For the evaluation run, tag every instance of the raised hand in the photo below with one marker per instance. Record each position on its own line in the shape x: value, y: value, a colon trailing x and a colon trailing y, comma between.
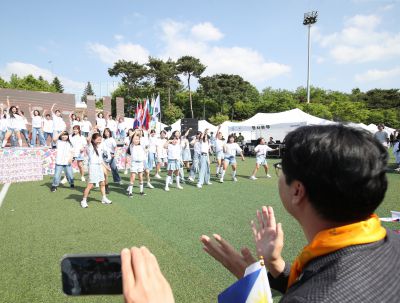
x: 269, y: 240
x: 225, y: 254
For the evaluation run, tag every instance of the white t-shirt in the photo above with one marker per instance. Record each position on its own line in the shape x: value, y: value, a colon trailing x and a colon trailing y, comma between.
x: 231, y: 149
x: 112, y: 125
x: 58, y: 123
x: 261, y: 150
x: 86, y: 126
x: 121, y: 126
x: 197, y: 147
x: 153, y: 144
x: 3, y: 124
x: 24, y: 122
x: 137, y: 153
x: 48, y: 126
x: 219, y: 145
x: 64, y: 152
x: 204, y: 147
x: 161, y: 151
x: 174, y: 152
x: 185, y: 144
x: 93, y: 157
x: 15, y: 122
x: 37, y: 121
x: 109, y: 145
x: 78, y: 143
x: 101, y: 123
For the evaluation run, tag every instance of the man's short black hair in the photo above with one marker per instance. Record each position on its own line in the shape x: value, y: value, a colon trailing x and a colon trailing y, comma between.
x: 343, y: 170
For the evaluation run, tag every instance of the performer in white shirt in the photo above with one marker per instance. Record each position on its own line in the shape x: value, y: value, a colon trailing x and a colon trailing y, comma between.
x: 111, y: 124
x: 162, y: 156
x: 174, y: 158
x: 219, y: 152
x: 100, y: 122
x: 58, y: 122
x: 261, y: 153
x: 96, y: 169
x: 86, y: 126
x: 14, y: 121
x: 64, y: 157
x: 48, y: 128
x: 231, y: 149
x: 110, y: 145
x: 37, y: 126
x: 121, y: 126
x: 79, y: 144
x: 138, y: 157
x: 204, y: 170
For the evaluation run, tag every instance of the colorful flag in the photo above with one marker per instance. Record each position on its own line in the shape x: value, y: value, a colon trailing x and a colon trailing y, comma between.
x: 136, y: 122
x: 157, y: 107
x: 252, y: 288
x: 146, y: 115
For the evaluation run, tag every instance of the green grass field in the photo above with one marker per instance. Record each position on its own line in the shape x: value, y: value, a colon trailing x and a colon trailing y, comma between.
x: 38, y: 227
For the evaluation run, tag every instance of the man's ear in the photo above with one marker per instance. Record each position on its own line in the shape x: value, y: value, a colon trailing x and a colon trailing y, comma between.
x: 298, y: 192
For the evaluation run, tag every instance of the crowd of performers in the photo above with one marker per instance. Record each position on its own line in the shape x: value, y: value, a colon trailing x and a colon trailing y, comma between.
x: 147, y: 152
x: 14, y: 125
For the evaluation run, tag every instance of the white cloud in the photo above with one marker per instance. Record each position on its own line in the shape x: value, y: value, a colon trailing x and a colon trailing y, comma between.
x: 122, y: 51
x: 361, y: 41
x: 181, y: 39
x: 250, y: 64
x: 378, y: 75
x: 23, y: 69
x: 320, y: 59
x: 206, y: 32
x: 118, y: 37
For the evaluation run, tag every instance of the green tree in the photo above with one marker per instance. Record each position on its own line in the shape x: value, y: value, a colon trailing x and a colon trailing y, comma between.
x: 227, y: 90
x: 219, y: 118
x: 88, y: 91
x: 57, y: 85
x: 3, y: 83
x: 165, y: 75
x: 347, y: 111
x: 132, y: 74
x: 190, y: 67
x: 171, y: 113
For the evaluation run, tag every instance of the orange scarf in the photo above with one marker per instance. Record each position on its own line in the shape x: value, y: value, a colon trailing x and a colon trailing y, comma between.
x: 333, y: 239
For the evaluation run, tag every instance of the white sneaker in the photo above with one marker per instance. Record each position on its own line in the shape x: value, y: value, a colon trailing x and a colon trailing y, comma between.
x: 179, y: 187
x: 121, y: 183
x: 106, y: 201
x: 64, y: 180
x: 191, y: 179
x: 125, y: 172
x: 199, y: 186
x: 234, y: 179
x: 269, y: 176
x: 157, y: 176
x: 221, y: 180
x: 166, y: 188
x: 149, y: 185
x: 84, y: 204
x: 83, y: 179
x: 209, y: 183
x: 253, y: 178
x: 97, y: 185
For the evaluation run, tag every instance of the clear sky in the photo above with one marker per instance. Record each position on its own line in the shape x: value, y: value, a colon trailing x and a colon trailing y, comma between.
x: 355, y: 43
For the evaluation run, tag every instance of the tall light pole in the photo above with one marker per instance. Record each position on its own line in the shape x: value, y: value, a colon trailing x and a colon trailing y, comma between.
x: 309, y: 19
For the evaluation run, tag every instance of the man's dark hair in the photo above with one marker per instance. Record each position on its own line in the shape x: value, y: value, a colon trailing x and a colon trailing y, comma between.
x: 342, y: 169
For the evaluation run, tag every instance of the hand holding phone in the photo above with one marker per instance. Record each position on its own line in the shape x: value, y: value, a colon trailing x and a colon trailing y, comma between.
x: 91, y: 274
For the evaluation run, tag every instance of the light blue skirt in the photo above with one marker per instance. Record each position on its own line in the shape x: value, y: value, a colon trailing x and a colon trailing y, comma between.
x: 186, y: 156
x: 261, y: 160
x: 96, y: 174
x: 173, y: 164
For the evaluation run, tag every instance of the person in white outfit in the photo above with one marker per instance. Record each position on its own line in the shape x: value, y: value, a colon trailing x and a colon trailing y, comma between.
x: 48, y: 128
x: 64, y: 157
x: 219, y: 152
x: 111, y: 124
x: 37, y: 127
x: 138, y: 157
x: 100, y: 122
x: 58, y: 122
x: 174, y: 158
x: 86, y: 126
x: 96, y: 169
x: 231, y: 148
x: 204, y: 170
x: 79, y: 144
x: 261, y: 153
x: 14, y: 121
x: 162, y: 156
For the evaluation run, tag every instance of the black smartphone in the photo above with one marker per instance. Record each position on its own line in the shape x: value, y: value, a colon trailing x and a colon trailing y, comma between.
x: 91, y: 274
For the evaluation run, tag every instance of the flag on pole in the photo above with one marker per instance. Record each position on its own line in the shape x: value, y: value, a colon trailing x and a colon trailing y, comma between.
x: 136, y: 122
x: 157, y: 107
x: 146, y: 115
x: 252, y: 288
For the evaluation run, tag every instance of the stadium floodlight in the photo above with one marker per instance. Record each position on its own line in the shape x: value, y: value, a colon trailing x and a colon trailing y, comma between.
x: 310, y: 18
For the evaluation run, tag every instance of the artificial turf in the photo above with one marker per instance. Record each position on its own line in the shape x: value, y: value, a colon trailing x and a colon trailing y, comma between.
x: 38, y: 227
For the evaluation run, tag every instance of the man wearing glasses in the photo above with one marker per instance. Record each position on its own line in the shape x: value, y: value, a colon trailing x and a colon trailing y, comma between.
x: 331, y: 180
